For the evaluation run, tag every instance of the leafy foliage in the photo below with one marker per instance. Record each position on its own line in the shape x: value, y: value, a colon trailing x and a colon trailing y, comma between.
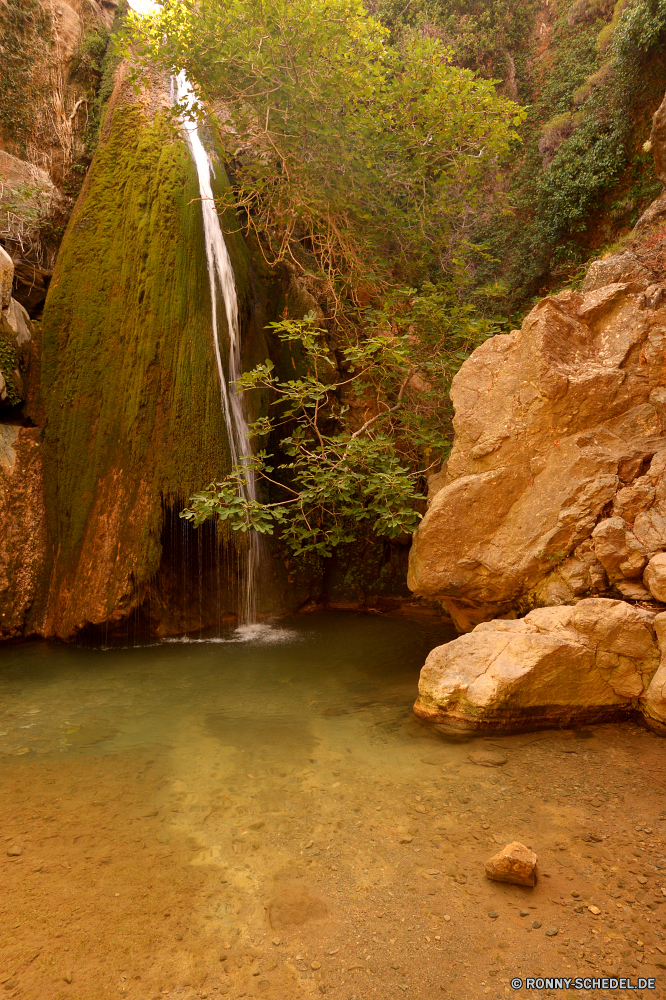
x: 335, y: 483
x: 641, y: 31
x: 582, y: 177
x: 480, y: 33
x: 352, y: 157
x: 92, y: 50
x: 583, y: 169
x: 357, y: 162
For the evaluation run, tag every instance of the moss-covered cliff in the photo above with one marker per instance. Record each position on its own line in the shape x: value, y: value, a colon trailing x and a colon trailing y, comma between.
x: 131, y: 395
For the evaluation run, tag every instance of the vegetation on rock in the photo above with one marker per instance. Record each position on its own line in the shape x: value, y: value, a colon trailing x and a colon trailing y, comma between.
x: 25, y: 40
x: 130, y: 390
x: 357, y: 163
x: 583, y: 177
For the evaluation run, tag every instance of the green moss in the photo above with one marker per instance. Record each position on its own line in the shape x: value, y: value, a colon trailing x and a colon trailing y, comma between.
x: 9, y: 363
x: 605, y: 36
x: 108, y: 64
x: 130, y: 386
x: 25, y: 38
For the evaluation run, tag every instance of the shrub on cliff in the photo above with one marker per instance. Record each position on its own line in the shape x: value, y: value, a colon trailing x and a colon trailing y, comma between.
x: 365, y: 156
x: 359, y: 163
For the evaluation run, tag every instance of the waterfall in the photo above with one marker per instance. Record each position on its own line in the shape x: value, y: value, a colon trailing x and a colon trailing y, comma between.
x: 221, y: 278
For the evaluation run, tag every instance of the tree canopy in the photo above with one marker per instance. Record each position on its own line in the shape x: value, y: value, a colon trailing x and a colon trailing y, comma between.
x: 364, y: 156
x: 359, y: 162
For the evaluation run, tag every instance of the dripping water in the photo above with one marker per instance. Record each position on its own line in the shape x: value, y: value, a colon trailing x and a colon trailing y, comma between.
x: 221, y: 278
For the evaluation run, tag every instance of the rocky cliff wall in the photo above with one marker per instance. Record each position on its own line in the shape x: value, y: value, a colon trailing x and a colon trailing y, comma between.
x: 52, y: 65
x: 555, y: 488
x: 559, y: 443
x: 130, y: 392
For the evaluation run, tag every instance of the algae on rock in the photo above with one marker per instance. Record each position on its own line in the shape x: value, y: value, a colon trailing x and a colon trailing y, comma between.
x: 133, y: 418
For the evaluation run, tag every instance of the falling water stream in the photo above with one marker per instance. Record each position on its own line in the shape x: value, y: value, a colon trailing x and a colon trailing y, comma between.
x: 221, y: 278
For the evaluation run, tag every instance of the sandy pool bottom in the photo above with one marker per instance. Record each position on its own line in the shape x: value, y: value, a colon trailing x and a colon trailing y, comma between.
x: 267, y: 819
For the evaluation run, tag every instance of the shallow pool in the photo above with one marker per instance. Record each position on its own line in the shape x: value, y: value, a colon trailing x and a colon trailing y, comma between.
x: 259, y: 813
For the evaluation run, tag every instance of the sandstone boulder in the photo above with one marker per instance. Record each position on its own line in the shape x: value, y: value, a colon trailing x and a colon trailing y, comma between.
x: 556, y: 426
x: 654, y: 577
x: 618, y: 550
x: 515, y: 863
x: 557, y: 666
x: 654, y: 707
x: 608, y: 270
x: 654, y: 213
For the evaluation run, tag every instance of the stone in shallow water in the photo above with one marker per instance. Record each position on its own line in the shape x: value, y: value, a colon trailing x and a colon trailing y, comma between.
x: 488, y: 758
x: 558, y: 665
x: 295, y: 906
x: 515, y: 863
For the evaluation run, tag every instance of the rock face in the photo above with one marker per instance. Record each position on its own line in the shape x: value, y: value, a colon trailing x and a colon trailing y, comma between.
x: 610, y: 270
x: 515, y: 863
x: 23, y: 546
x: 44, y: 142
x: 127, y: 337
x: 556, y: 485
x: 654, y: 577
x: 15, y: 339
x: 597, y: 660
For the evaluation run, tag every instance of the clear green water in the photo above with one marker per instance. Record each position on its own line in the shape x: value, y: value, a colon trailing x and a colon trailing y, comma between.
x: 284, y: 691
x: 260, y: 814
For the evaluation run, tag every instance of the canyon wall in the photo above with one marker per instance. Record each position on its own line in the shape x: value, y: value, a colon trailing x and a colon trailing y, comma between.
x: 53, y: 58
x: 115, y: 416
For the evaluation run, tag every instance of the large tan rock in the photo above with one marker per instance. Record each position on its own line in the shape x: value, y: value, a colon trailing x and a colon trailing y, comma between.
x: 555, y: 424
x: 68, y: 30
x: 658, y: 141
x: 557, y: 666
x: 654, y: 577
x: 654, y: 707
x: 618, y: 550
x: 608, y: 270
